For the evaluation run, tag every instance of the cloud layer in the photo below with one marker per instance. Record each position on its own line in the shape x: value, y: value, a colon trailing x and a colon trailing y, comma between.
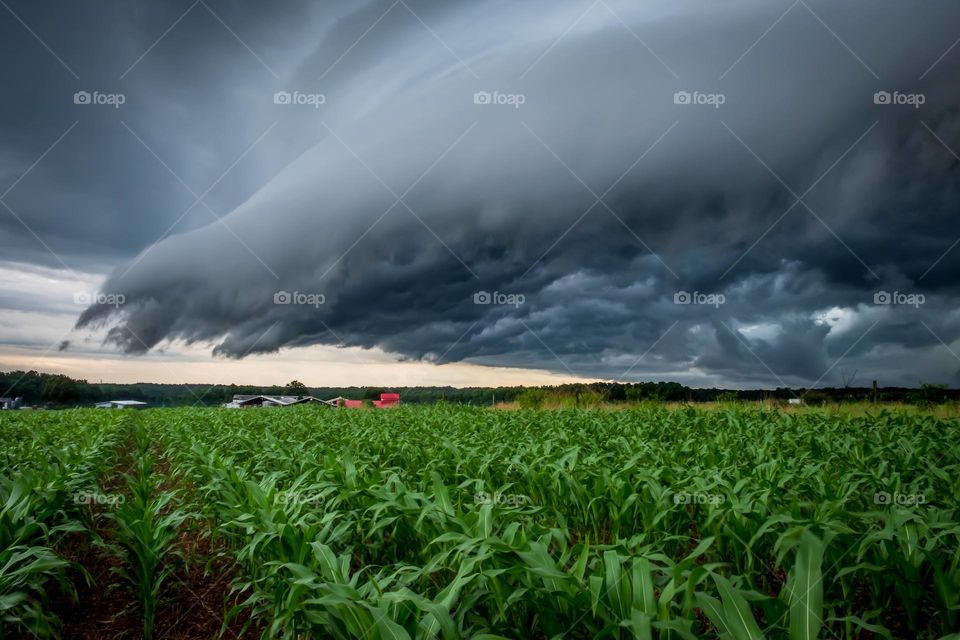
x: 600, y: 183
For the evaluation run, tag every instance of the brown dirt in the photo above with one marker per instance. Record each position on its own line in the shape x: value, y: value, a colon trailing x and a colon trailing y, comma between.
x: 100, y: 611
x: 193, y: 607
x: 196, y: 597
x: 200, y: 593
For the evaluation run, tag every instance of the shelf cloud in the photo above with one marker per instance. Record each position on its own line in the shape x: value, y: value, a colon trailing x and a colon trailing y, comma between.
x: 749, y: 192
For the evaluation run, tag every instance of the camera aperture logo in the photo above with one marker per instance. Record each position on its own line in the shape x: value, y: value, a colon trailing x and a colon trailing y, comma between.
x: 496, y: 98
x: 299, y: 298
x: 298, y: 498
x: 499, y: 298
x: 95, y: 497
x: 87, y: 298
x: 698, y: 498
x: 97, y: 98
x: 712, y: 299
x: 899, y: 499
x: 714, y: 100
x: 501, y: 499
x: 896, y: 98
x: 899, y: 298
x: 299, y: 98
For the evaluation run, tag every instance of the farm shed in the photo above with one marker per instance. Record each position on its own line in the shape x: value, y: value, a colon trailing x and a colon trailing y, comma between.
x: 11, y: 403
x: 245, y: 401
x: 121, y: 404
x: 387, y: 400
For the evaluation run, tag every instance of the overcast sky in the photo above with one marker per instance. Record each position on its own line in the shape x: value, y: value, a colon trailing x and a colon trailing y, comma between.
x: 739, y: 193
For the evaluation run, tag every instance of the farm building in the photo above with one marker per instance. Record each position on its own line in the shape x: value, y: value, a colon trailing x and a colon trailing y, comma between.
x: 387, y: 400
x: 121, y: 404
x: 11, y: 403
x: 245, y: 401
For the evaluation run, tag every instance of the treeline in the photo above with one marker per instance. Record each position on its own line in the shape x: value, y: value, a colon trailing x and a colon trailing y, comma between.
x: 54, y: 390
x: 614, y: 392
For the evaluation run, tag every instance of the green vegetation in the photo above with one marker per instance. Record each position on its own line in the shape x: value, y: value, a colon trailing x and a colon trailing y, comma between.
x: 48, y: 473
x: 58, y: 391
x: 454, y: 522
x: 145, y: 531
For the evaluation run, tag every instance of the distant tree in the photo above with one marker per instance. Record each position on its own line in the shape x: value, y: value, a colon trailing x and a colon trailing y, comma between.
x: 296, y: 388
x: 62, y: 390
x: 930, y: 394
x: 531, y: 398
x: 617, y: 392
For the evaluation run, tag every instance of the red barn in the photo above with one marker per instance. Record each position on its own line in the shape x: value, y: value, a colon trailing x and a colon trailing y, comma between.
x: 389, y: 399
x: 386, y: 400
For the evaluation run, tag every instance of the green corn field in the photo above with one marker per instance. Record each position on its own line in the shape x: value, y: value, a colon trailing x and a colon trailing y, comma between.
x: 458, y: 522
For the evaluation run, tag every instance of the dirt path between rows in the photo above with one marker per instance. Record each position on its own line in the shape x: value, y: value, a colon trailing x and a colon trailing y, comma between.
x: 192, y: 604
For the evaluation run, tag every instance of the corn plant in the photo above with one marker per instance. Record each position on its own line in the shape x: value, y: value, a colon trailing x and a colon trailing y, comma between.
x: 146, y: 529
x: 49, y: 460
x: 27, y: 565
x: 459, y: 522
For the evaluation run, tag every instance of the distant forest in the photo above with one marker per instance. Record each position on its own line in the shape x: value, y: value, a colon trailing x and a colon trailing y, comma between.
x: 59, y: 391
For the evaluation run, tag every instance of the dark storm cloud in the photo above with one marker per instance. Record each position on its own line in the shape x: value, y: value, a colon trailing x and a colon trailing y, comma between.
x: 497, y: 198
x: 97, y: 195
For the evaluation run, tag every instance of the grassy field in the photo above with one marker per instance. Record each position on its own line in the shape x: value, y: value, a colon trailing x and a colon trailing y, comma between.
x: 450, y: 522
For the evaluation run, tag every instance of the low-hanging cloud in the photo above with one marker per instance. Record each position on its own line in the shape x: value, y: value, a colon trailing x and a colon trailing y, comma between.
x: 597, y: 175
